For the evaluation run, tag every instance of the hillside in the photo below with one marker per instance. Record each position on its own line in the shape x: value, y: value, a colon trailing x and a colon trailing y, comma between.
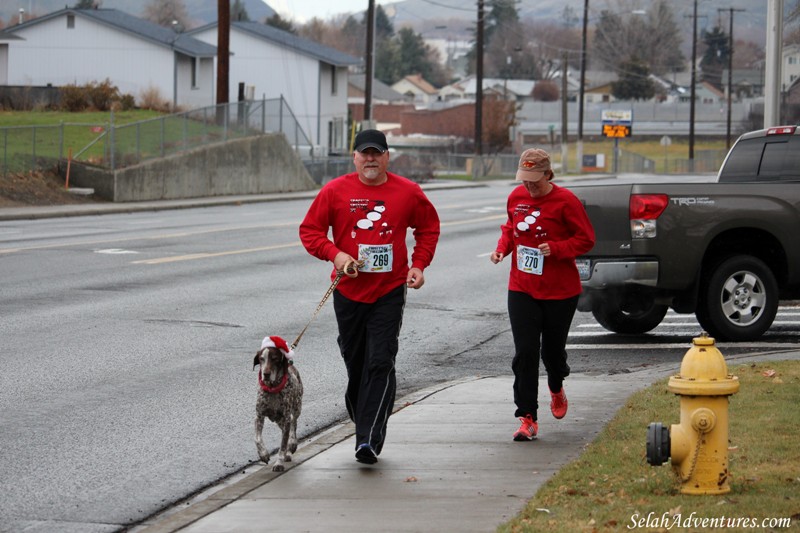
x: 201, y: 11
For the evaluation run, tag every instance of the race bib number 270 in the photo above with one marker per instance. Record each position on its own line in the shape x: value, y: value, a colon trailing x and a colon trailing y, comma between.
x: 529, y: 260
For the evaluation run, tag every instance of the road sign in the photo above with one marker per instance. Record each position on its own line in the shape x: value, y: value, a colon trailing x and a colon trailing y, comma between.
x: 617, y: 122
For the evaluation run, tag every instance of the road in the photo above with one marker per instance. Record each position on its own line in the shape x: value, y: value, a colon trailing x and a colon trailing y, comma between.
x: 126, y: 379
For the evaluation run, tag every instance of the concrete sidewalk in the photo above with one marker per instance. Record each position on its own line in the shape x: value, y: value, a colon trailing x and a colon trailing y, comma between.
x: 449, y: 464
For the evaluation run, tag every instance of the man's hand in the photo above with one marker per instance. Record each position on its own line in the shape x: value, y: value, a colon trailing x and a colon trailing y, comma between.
x: 496, y: 257
x: 415, y: 278
x: 342, y: 260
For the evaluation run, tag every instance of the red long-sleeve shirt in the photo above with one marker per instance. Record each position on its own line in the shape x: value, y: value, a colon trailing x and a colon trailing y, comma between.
x: 376, y: 216
x: 557, y: 218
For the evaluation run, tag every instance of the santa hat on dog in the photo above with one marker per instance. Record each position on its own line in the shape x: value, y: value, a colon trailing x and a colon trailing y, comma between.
x: 279, y: 343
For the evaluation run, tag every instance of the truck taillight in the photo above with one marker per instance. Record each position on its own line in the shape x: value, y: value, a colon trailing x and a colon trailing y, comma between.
x: 647, y: 206
x: 643, y: 211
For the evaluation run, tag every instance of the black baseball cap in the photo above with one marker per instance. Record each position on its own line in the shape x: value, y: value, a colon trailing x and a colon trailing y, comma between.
x: 371, y: 139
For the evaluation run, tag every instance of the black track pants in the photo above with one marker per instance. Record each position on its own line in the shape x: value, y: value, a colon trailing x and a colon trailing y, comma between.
x: 538, y: 327
x: 368, y: 341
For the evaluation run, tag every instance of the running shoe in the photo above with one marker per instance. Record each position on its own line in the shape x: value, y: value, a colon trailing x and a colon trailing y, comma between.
x: 365, y: 454
x: 528, y: 429
x: 558, y: 403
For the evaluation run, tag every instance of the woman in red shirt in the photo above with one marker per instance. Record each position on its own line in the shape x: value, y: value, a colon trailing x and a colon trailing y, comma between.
x: 547, y: 228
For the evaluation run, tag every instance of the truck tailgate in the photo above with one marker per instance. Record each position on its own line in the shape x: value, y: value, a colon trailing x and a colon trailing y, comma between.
x: 608, y: 209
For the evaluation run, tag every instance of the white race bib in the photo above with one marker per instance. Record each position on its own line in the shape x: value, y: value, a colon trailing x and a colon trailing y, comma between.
x: 376, y: 258
x: 529, y: 260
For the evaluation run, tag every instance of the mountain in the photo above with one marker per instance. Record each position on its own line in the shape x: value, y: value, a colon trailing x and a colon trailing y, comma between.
x: 201, y: 11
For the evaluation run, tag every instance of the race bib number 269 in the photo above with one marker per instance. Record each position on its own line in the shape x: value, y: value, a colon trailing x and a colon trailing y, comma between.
x: 376, y: 258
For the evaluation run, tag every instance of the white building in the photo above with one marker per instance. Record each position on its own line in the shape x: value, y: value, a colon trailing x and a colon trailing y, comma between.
x: 80, y: 46
x: 312, y: 78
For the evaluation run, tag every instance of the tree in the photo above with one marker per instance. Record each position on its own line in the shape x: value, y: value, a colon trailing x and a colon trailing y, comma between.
x: 239, y: 12
x: 715, y: 58
x: 167, y: 13
x: 546, y: 91
x: 653, y: 35
x: 84, y: 4
x: 276, y: 21
x: 634, y: 81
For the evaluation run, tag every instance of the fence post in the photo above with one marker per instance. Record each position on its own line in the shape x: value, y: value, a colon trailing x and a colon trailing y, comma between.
x: 263, y: 113
x: 61, y: 140
x: 33, y: 159
x: 111, y: 141
x: 162, y: 120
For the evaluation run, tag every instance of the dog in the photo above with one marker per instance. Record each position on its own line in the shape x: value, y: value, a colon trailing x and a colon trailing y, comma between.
x: 280, y: 398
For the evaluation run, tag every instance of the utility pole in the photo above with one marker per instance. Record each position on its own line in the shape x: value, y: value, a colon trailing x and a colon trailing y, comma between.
x: 479, y: 88
x: 564, y: 129
x: 582, y: 89
x: 223, y: 49
x: 730, y: 75
x: 772, y: 77
x: 693, y: 91
x: 370, y: 63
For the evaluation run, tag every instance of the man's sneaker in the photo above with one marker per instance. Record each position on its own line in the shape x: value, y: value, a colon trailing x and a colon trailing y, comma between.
x: 558, y: 403
x: 365, y: 454
x: 528, y: 429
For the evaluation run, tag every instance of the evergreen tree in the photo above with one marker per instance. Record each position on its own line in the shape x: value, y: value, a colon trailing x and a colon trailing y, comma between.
x: 715, y: 58
x: 84, y: 4
x: 277, y: 21
x: 238, y: 11
x: 634, y: 81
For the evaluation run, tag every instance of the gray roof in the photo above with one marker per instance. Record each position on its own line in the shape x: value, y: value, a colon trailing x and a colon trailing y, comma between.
x: 286, y: 39
x: 146, y: 30
x: 380, y: 91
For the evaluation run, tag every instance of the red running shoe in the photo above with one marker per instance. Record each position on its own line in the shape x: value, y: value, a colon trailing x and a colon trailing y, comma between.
x: 528, y: 429
x: 558, y: 403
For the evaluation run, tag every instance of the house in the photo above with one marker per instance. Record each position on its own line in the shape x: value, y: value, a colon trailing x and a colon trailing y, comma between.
x: 310, y: 77
x: 705, y: 93
x: 417, y: 88
x: 387, y: 104
x: 80, y: 46
x: 790, y: 70
x: 504, y: 89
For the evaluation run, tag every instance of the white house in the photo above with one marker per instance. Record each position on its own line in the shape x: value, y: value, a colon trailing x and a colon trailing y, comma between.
x: 312, y: 78
x: 417, y: 88
x: 79, y: 46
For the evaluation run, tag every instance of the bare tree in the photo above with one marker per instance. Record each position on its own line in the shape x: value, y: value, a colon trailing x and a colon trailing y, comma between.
x: 627, y: 32
x: 167, y: 12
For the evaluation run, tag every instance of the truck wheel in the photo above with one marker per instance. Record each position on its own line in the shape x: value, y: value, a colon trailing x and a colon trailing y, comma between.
x: 630, y: 315
x: 740, y: 300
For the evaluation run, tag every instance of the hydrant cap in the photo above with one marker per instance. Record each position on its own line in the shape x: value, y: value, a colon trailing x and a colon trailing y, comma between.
x: 703, y: 371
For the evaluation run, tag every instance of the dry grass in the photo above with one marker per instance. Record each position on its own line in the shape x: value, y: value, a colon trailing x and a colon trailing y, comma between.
x: 611, y: 483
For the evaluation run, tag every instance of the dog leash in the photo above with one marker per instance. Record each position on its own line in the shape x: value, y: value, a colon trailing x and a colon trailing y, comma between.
x: 351, y: 271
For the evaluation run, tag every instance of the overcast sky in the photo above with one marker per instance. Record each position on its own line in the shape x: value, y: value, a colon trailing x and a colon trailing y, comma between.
x: 304, y: 10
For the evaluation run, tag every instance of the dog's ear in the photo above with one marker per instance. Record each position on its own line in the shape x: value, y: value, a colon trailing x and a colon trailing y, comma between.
x: 257, y: 358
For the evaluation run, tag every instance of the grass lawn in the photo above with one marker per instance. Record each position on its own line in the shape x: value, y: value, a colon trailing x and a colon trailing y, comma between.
x: 611, y: 487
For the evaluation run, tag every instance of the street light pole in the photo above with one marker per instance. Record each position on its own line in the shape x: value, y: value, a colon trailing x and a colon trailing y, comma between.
x: 730, y: 75
x: 581, y: 89
x: 370, y: 63
x: 693, y: 88
x: 479, y: 86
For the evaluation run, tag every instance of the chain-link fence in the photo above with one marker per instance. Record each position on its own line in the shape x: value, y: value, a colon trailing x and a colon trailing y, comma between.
x: 113, y: 146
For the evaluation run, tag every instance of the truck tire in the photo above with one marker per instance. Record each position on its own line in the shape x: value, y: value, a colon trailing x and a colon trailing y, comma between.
x: 740, y: 299
x: 628, y: 314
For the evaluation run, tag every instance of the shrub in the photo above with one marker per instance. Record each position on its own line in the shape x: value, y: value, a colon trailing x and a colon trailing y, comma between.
x: 151, y: 98
x: 74, y: 98
x: 102, y: 94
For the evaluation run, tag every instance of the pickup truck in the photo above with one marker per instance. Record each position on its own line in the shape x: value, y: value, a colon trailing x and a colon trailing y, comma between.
x: 727, y: 251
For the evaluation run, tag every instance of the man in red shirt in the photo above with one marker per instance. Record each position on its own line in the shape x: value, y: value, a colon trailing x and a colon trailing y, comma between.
x: 369, y: 212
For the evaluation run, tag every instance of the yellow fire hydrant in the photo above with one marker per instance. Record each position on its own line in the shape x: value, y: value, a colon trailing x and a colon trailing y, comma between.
x: 698, y: 445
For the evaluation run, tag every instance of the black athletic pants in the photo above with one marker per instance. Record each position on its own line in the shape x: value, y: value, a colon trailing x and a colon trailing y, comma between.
x: 538, y: 326
x: 368, y: 341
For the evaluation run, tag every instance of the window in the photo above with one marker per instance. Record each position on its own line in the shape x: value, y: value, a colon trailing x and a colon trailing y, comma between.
x: 334, y: 81
x: 194, y: 72
x: 70, y: 21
